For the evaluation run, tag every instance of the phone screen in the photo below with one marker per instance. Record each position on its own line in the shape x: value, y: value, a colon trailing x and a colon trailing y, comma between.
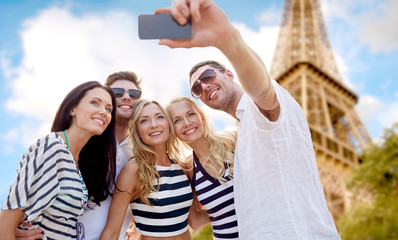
x: 162, y: 25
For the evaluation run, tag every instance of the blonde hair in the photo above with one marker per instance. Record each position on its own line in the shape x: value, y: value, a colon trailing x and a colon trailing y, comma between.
x: 145, y: 156
x: 222, y: 144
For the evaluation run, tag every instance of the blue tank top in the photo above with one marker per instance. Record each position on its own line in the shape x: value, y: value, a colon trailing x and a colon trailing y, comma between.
x: 218, y: 200
x: 168, y: 213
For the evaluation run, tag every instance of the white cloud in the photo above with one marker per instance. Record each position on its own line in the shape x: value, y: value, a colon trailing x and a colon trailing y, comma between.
x: 270, y: 16
x: 373, y: 110
x: 368, y: 107
x: 61, y: 50
x: 262, y: 42
x: 379, y: 28
x: 389, y: 115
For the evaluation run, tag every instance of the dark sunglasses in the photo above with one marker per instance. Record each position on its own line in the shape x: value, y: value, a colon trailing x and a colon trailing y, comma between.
x: 206, y: 77
x: 133, y: 93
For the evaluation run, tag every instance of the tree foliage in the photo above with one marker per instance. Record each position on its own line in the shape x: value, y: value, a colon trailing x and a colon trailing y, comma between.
x: 205, y: 233
x: 378, y: 174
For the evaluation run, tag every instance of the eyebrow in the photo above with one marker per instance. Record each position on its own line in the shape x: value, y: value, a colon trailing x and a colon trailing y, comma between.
x: 156, y: 114
x: 99, y: 99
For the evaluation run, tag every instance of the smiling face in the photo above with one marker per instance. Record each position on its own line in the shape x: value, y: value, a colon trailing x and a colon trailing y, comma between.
x: 125, y: 104
x: 218, y: 93
x: 94, y: 111
x: 152, y: 125
x: 187, y: 121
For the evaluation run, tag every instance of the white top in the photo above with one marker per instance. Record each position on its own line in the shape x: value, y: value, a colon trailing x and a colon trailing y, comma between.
x: 278, y: 193
x: 167, y: 214
x: 47, y: 189
x: 94, y: 219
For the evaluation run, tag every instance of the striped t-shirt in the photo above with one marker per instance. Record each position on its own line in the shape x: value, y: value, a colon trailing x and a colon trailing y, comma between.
x: 168, y: 214
x: 47, y: 189
x: 218, y: 200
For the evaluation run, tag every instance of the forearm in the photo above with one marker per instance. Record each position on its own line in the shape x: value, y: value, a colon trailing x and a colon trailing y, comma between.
x: 9, y: 221
x: 109, y: 233
x: 250, y: 70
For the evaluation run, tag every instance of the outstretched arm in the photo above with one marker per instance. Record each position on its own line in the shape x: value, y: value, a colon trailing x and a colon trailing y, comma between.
x: 126, y: 184
x: 211, y: 27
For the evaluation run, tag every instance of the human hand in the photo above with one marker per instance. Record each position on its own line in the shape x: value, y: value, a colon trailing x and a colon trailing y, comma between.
x: 210, y: 25
x: 21, y: 234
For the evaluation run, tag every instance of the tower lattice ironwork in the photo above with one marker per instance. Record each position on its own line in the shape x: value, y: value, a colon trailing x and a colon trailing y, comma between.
x: 304, y: 64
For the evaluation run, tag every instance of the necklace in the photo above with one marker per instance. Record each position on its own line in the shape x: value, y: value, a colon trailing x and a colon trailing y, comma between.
x: 84, y: 188
x: 66, y: 139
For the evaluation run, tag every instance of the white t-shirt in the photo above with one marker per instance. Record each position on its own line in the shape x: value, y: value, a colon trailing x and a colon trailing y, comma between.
x: 94, y: 219
x: 278, y: 193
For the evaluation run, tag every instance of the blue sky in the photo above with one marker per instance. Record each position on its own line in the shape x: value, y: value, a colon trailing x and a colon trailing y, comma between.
x: 48, y: 47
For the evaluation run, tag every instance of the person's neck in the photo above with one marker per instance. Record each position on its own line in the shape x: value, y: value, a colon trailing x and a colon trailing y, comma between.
x: 121, y: 130
x: 163, y: 159
x: 201, y: 148
x: 235, y: 102
x: 76, y: 140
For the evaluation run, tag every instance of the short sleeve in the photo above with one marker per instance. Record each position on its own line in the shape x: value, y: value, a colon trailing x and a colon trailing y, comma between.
x: 36, y: 184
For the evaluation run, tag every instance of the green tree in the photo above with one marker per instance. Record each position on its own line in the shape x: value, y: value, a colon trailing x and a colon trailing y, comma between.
x: 205, y: 233
x: 378, y: 174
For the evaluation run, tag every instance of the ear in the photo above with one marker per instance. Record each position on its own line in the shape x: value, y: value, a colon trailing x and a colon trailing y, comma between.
x: 72, y: 112
x: 230, y: 75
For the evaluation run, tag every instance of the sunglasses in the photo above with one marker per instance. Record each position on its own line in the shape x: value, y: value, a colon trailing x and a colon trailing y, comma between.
x: 207, y: 76
x: 133, y: 93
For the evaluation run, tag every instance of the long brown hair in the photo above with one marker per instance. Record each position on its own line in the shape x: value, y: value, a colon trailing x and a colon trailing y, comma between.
x: 97, y: 159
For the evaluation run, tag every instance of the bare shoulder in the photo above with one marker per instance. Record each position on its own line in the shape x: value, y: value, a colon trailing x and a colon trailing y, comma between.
x: 187, y: 166
x: 128, y: 177
x: 131, y: 166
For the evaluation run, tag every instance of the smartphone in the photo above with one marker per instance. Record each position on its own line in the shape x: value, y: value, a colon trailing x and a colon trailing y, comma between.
x: 162, y: 25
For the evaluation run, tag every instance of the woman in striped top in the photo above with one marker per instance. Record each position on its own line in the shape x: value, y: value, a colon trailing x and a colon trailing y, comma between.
x: 152, y: 182
x: 48, y: 191
x: 212, y: 166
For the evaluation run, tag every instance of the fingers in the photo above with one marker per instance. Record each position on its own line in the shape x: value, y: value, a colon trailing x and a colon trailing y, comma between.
x: 21, y: 234
x: 195, y: 10
x: 174, y: 43
x: 162, y: 10
x: 180, y: 11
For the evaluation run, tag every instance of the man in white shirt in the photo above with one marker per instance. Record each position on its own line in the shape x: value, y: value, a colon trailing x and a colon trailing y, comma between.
x: 278, y: 193
x: 126, y: 87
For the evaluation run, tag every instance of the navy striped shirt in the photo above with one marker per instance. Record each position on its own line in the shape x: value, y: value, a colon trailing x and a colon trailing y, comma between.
x: 168, y: 213
x: 218, y: 200
x: 47, y: 189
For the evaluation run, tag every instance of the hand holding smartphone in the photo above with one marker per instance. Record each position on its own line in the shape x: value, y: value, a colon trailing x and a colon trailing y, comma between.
x: 162, y: 25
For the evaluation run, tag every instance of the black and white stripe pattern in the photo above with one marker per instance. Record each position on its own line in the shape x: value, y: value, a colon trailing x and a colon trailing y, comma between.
x: 218, y: 200
x: 168, y: 214
x: 47, y: 188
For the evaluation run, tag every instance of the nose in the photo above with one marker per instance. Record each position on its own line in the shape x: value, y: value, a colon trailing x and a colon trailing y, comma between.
x: 102, y: 111
x: 153, y: 123
x: 102, y: 108
x: 185, y: 121
x: 205, y: 86
x: 126, y: 95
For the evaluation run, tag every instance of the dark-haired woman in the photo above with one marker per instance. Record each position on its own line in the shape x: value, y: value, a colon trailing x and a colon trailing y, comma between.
x: 61, y: 171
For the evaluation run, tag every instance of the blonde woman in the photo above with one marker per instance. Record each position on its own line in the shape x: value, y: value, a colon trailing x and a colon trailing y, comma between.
x: 152, y: 182
x: 211, y: 172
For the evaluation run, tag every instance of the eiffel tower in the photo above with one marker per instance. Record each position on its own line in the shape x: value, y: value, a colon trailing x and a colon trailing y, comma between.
x: 304, y: 64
